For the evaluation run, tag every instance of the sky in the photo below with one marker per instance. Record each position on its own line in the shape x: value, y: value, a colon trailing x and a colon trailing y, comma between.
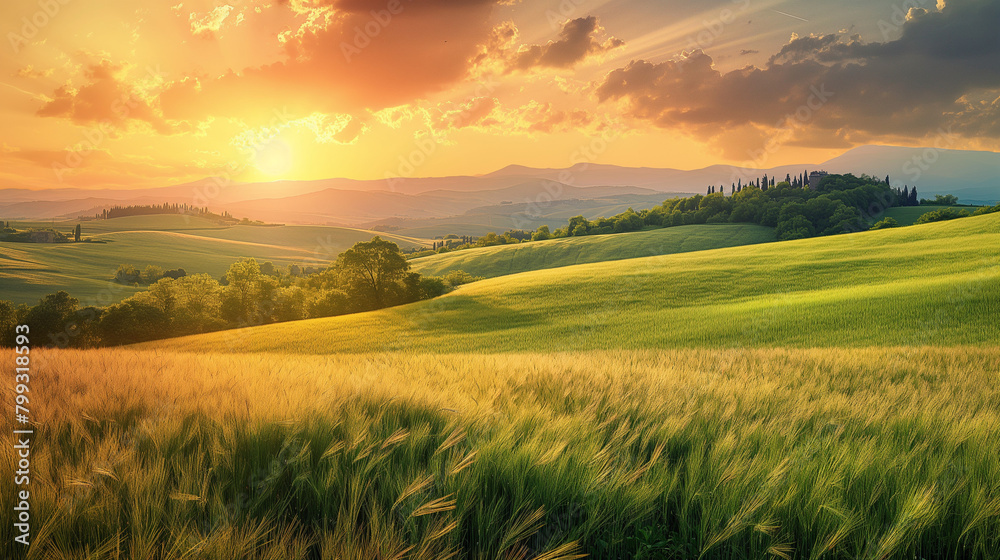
x: 127, y: 94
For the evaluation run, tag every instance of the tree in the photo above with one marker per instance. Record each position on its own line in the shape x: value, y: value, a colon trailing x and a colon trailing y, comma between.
x: 945, y: 200
x: 151, y: 274
x: 542, y: 234
x: 8, y: 320
x: 798, y: 227
x: 328, y: 303
x: 578, y: 225
x: 50, y: 320
x: 248, y: 294
x: 370, y: 268
x: 127, y: 274
x: 432, y: 287
x: 913, y: 197
x: 76, y: 233
x: 132, y: 321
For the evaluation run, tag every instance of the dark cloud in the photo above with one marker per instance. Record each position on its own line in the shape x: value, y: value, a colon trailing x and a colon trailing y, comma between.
x: 577, y: 40
x: 745, y: 52
x: 846, y: 89
x: 802, y: 48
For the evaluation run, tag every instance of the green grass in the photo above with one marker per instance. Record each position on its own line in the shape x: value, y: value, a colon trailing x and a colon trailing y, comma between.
x: 935, y: 284
x: 502, y: 260
x: 30, y: 271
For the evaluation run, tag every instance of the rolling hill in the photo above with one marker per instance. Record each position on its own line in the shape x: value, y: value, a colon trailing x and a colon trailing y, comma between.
x: 554, y: 253
x: 29, y: 271
x: 824, y: 398
x: 935, y: 284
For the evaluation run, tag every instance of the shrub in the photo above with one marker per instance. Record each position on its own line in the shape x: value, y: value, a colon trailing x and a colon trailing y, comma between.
x: 885, y: 223
x: 456, y: 278
x: 986, y: 210
x: 942, y: 215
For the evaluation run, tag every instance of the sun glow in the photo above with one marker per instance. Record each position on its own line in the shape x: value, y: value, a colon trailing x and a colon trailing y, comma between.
x: 273, y: 157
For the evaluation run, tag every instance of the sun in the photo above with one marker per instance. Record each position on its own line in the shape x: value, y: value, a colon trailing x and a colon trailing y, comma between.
x: 273, y: 157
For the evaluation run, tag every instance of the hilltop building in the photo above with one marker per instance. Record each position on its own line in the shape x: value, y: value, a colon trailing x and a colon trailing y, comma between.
x: 814, y: 178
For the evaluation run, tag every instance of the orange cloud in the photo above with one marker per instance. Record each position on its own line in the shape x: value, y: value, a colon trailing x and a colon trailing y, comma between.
x: 106, y: 100
x: 348, y: 57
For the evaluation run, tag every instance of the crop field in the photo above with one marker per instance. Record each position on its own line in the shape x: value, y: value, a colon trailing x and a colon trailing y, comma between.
x: 29, y: 271
x: 735, y: 454
x: 934, y: 284
x: 554, y: 253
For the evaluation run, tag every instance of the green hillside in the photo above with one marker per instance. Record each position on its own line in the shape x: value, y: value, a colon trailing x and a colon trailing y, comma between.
x: 29, y: 271
x: 511, y: 259
x: 935, y: 284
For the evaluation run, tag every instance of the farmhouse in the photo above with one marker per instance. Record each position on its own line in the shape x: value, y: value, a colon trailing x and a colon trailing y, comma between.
x: 42, y: 236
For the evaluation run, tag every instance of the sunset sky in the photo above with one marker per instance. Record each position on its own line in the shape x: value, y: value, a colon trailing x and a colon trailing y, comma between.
x: 120, y: 93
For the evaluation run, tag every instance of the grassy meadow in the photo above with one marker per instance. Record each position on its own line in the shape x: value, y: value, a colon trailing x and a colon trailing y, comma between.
x: 934, y: 284
x: 511, y: 259
x: 29, y: 271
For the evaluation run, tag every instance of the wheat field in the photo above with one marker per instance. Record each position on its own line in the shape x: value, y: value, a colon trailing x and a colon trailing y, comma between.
x: 733, y: 454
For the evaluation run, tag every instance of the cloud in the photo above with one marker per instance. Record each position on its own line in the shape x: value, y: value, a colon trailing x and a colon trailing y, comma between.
x: 487, y: 114
x: 106, y: 100
x: 205, y: 26
x: 347, y: 56
x: 577, y: 41
x: 846, y: 90
x: 30, y: 72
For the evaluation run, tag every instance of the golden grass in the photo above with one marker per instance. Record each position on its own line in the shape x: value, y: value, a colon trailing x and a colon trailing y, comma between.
x: 795, y: 453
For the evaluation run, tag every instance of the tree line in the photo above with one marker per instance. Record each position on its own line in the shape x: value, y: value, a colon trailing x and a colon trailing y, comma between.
x: 165, y: 208
x: 837, y: 204
x: 371, y: 275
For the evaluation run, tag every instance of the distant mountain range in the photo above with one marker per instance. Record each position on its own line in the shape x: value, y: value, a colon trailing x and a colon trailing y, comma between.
x: 973, y: 176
